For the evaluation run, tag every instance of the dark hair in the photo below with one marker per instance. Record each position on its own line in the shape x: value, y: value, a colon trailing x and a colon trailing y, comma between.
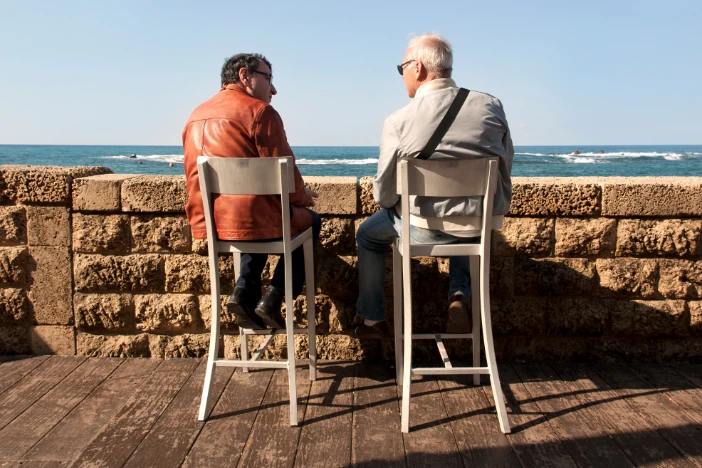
x: 232, y: 65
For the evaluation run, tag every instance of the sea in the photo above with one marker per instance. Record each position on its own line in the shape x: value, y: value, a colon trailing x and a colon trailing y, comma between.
x: 359, y: 161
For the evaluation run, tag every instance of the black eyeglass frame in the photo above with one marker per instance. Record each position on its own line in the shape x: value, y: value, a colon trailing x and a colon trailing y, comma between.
x: 401, y: 67
x: 267, y: 75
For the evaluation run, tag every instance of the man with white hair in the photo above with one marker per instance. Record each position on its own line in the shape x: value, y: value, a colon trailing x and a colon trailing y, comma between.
x: 479, y: 130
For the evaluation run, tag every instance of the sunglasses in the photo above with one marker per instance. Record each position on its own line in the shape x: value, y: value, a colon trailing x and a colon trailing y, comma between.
x: 401, y: 67
x: 269, y: 76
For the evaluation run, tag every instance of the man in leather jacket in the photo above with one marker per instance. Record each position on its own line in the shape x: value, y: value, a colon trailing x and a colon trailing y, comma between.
x: 239, y: 122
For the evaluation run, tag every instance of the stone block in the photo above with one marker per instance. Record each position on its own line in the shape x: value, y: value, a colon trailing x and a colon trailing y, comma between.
x: 52, y: 291
x: 645, y: 319
x: 180, y: 346
x: 124, y: 346
x: 14, y: 339
x: 594, y: 237
x: 336, y: 237
x: 628, y: 277
x: 664, y: 238
x: 680, y: 279
x: 159, y: 194
x: 337, y: 277
x: 50, y: 339
x: 101, y: 233
x: 14, y: 265
x: 191, y: 273
x: 368, y: 204
x: 345, y: 348
x: 695, y: 308
x: 13, y: 225
x: 551, y: 196
x: 652, y: 196
x: 166, y: 313
x: 501, y: 276
x: 531, y: 237
x: 277, y: 349
x: 161, y: 234
x: 104, y: 312
x: 42, y: 184
x: 98, y: 193
x: 14, y: 307
x: 554, y: 277
x: 130, y: 273
x: 227, y: 321
x: 578, y: 317
x: 337, y: 195
x: 48, y: 225
x: 523, y: 316
x: 199, y: 246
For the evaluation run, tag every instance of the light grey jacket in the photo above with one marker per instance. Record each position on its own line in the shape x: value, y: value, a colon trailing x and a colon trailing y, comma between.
x: 480, y: 130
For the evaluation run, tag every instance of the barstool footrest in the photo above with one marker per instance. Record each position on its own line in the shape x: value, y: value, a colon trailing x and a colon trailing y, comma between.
x: 449, y: 371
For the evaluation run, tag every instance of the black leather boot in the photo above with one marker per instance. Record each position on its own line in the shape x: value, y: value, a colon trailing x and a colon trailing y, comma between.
x: 268, y: 308
x: 241, y: 303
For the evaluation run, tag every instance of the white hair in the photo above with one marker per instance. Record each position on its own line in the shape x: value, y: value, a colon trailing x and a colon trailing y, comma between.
x: 433, y: 51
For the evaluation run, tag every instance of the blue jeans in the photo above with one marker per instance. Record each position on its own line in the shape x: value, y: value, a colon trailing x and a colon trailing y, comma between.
x: 252, y: 266
x: 374, y: 236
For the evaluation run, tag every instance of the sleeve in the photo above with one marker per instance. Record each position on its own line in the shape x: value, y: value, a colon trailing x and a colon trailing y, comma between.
x: 385, y: 180
x: 271, y: 142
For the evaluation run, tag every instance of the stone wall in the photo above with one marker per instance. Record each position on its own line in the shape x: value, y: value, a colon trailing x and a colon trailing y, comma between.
x: 100, y: 264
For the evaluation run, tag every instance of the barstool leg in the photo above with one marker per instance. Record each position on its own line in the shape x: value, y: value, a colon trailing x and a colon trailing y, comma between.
x: 244, y: 345
x: 311, y: 307
x: 475, y: 311
x: 397, y: 306
x: 214, y: 338
x: 407, y: 366
x: 489, y: 348
x: 289, y: 317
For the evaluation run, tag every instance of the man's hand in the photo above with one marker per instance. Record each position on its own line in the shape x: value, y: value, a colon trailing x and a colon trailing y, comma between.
x: 310, y: 195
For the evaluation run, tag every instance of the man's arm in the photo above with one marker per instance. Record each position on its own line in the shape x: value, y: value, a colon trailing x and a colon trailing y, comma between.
x: 385, y: 180
x: 271, y: 142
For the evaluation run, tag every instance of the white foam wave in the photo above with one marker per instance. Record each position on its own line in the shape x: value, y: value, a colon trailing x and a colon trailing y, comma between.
x: 315, y: 162
x: 165, y: 158
x: 620, y: 154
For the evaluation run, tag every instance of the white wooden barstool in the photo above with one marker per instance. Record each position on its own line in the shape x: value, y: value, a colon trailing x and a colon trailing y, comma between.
x: 446, y: 178
x: 260, y: 176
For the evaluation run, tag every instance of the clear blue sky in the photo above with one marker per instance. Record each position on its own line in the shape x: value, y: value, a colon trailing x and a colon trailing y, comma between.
x: 130, y: 72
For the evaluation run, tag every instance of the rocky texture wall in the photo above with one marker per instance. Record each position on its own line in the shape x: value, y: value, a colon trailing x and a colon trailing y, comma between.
x: 100, y: 264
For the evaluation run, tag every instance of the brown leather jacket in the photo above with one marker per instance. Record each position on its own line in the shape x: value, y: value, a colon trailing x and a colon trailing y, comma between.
x: 233, y: 124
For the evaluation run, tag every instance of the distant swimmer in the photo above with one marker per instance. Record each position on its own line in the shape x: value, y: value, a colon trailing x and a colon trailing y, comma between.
x: 133, y: 156
x: 576, y: 152
x: 170, y: 164
x: 601, y: 151
x: 140, y: 161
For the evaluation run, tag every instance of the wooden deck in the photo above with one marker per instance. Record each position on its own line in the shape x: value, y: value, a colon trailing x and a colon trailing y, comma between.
x: 61, y: 411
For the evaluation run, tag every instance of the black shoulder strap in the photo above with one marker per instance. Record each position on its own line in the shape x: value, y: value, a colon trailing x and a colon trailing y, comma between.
x: 444, y: 124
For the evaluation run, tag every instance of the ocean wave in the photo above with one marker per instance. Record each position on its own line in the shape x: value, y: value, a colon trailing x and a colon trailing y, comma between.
x: 314, y: 162
x: 620, y: 154
x: 165, y: 158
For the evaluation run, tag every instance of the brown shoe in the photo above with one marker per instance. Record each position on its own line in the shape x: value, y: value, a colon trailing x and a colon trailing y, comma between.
x: 459, y: 315
x: 376, y: 331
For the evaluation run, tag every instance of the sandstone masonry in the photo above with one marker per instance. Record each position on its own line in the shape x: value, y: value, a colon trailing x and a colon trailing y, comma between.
x: 101, y: 264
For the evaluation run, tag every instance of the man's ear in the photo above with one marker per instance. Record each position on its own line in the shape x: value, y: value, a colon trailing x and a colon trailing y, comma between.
x: 421, y: 70
x: 243, y: 74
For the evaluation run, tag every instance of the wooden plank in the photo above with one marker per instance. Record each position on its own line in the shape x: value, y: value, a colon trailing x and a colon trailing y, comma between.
x: 225, y: 433
x: 75, y: 431
x: 325, y: 440
x: 475, y: 426
x: 430, y: 442
x: 586, y: 442
x: 532, y: 438
x: 675, y: 387
x: 637, y: 439
x: 168, y: 442
x: 39, y: 464
x: 670, y: 421
x: 117, y: 440
x: 376, y: 439
x: 273, y: 442
x: 692, y: 372
x: 26, y: 430
x: 16, y: 367
x: 34, y: 385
